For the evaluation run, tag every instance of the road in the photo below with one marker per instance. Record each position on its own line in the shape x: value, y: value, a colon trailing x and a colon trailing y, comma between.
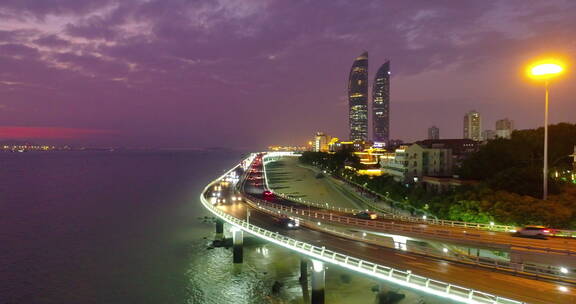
x: 494, y: 282
x: 456, y: 235
x: 518, y: 288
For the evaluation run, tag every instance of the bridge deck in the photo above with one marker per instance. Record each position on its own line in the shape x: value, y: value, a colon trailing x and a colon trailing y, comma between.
x: 505, y: 285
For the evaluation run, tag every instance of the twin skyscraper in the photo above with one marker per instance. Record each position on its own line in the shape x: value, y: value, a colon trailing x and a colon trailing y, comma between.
x: 358, y: 101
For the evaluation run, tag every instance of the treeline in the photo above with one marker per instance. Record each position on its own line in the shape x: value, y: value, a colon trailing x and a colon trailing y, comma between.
x: 515, y: 164
x: 510, y: 181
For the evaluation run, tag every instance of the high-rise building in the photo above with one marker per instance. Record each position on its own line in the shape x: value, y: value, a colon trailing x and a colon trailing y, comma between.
x: 473, y: 126
x: 321, y: 141
x: 504, y: 128
x: 488, y: 135
x: 358, y: 98
x: 381, y: 104
x: 433, y: 132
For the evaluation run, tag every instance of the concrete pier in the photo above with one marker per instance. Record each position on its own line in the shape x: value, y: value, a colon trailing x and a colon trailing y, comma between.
x: 219, y: 236
x: 318, y: 282
x: 303, y: 271
x: 237, y: 245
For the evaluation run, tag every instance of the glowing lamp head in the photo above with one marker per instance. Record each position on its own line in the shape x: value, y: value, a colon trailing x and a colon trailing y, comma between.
x: 545, y: 70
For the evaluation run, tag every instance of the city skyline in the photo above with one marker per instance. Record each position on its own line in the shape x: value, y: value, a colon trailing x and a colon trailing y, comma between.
x: 141, y: 73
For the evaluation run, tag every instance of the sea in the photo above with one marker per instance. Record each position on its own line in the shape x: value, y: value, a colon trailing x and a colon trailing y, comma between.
x: 127, y: 227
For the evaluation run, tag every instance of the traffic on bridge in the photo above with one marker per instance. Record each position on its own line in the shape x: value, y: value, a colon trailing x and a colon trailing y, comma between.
x: 424, y: 253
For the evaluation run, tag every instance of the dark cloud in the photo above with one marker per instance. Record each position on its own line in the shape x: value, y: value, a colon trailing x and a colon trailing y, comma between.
x: 17, y: 50
x: 52, y: 41
x: 41, y: 9
x: 92, y: 28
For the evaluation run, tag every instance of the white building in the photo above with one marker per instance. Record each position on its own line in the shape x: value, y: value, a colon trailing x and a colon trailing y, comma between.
x: 411, y: 163
x: 395, y: 163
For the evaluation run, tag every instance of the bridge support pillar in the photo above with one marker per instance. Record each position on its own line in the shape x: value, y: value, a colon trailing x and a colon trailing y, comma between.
x: 303, y: 271
x: 219, y: 230
x: 238, y: 244
x: 318, y: 282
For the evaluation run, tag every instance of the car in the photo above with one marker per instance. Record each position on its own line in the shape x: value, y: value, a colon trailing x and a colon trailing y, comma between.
x: 366, y: 215
x: 268, y: 195
x: 534, y: 231
x: 290, y: 223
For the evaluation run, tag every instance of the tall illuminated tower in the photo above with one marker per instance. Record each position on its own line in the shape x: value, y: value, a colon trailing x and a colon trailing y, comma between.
x: 381, y: 104
x: 473, y: 126
x: 358, y: 98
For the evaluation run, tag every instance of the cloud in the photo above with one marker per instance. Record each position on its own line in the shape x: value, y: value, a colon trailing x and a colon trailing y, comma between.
x: 52, y: 41
x: 17, y: 51
x: 175, y: 66
x: 40, y: 9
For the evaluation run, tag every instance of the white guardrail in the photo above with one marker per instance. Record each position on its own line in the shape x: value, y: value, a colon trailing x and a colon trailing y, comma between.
x: 404, y: 218
x: 425, y: 232
x: 403, y: 278
x: 552, y: 272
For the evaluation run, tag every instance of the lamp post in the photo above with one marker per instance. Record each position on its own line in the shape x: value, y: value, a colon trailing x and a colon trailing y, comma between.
x: 545, y: 70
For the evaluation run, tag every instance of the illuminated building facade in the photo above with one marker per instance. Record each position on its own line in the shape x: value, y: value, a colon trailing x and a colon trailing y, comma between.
x: 473, y: 126
x: 461, y: 148
x: 411, y: 163
x: 358, y: 99
x: 381, y: 104
x: 321, y: 142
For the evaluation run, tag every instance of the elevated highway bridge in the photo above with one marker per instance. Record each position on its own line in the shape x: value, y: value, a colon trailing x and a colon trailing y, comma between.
x: 338, y: 238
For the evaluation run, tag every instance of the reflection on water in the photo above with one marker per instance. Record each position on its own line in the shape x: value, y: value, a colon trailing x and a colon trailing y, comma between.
x: 213, y: 278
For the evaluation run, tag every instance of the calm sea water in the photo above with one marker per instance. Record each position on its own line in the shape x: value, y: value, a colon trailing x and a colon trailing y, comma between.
x: 128, y: 227
x: 104, y: 227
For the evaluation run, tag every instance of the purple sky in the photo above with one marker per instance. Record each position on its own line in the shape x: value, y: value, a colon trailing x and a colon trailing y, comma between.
x: 176, y: 73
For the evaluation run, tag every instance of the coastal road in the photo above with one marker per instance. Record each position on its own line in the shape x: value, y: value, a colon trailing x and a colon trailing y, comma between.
x: 505, y: 285
x: 456, y: 235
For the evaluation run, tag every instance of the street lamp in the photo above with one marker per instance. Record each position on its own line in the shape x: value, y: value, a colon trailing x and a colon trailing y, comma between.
x: 545, y: 70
